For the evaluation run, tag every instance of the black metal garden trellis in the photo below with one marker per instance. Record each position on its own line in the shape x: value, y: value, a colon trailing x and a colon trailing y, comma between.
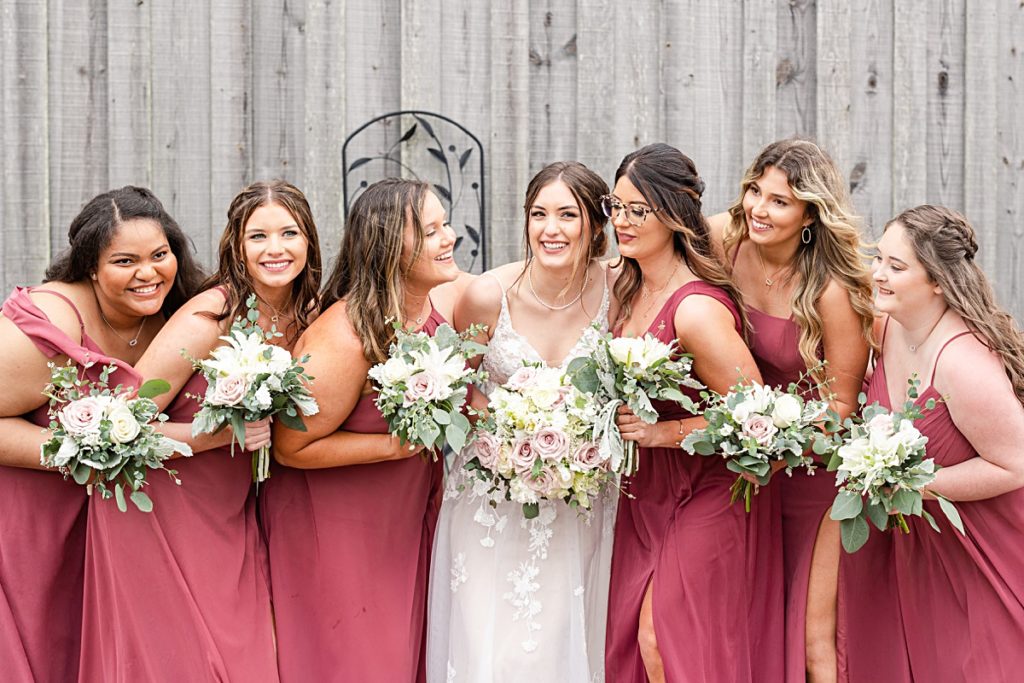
x: 420, y: 153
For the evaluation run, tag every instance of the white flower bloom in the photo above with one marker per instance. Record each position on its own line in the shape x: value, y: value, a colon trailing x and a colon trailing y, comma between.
x: 123, y: 425
x: 262, y: 397
x: 786, y: 410
x: 391, y: 372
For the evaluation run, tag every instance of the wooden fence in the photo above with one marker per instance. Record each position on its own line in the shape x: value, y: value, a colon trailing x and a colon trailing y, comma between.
x: 918, y: 100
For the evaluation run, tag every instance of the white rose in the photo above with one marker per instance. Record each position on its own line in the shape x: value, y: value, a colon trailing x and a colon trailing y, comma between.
x: 262, y: 397
x: 626, y: 350
x: 123, y: 425
x: 786, y: 411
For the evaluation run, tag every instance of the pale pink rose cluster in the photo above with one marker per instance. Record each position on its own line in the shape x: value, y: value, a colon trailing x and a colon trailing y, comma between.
x: 83, y: 417
x: 761, y: 428
x: 228, y: 391
x: 425, y: 385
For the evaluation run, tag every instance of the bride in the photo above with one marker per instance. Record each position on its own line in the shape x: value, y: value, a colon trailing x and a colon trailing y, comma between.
x: 514, y: 599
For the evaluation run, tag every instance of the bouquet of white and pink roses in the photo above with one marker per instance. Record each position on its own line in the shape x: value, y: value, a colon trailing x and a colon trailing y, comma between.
x: 537, y: 442
x: 631, y: 371
x: 248, y: 380
x: 754, y: 425
x: 423, y: 385
x: 881, y: 470
x: 103, y: 436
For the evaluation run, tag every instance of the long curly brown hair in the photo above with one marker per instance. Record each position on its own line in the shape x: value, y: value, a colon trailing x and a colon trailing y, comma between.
x: 945, y: 244
x: 370, y: 270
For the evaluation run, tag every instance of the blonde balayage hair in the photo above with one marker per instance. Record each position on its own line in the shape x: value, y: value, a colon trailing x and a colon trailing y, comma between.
x: 370, y: 270
x: 668, y: 180
x: 836, y: 250
x: 945, y: 244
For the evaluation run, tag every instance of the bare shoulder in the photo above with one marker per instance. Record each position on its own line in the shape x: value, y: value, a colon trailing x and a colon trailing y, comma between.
x: 332, y: 333
x: 62, y: 314
x: 968, y: 366
x: 444, y: 297
x: 698, y: 309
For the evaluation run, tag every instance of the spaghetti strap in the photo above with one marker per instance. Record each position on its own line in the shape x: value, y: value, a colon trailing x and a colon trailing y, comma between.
x: 81, y: 323
x: 935, y: 366
x: 885, y: 329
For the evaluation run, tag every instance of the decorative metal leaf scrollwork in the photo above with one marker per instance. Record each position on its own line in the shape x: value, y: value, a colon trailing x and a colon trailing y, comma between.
x: 433, y: 148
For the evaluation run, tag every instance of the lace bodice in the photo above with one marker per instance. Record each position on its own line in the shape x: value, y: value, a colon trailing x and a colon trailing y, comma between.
x: 507, y: 349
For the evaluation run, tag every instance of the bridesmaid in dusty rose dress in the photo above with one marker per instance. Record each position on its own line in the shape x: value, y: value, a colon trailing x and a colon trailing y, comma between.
x: 196, y: 605
x: 104, y: 299
x: 795, y: 251
x: 960, y: 597
x: 696, y: 590
x: 350, y: 517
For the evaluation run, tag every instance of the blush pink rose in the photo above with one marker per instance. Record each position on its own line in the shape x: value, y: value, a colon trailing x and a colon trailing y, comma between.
x: 424, y: 386
x: 881, y: 423
x: 551, y: 444
x: 228, y: 391
x: 521, y: 378
x: 761, y: 428
x: 487, y: 449
x: 588, y: 457
x: 522, y: 455
x: 544, y: 483
x: 83, y: 416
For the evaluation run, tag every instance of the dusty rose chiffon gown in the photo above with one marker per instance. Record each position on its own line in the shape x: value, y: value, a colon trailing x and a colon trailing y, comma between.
x: 716, y: 570
x: 349, y: 558
x: 804, y: 499
x: 180, y: 593
x: 955, y: 611
x: 42, y: 529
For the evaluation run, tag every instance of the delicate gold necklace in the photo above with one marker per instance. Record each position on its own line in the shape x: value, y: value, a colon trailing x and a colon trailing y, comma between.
x: 130, y: 342
x: 768, y: 281
x: 914, y: 347
x: 646, y: 292
x: 277, y: 314
x: 545, y: 304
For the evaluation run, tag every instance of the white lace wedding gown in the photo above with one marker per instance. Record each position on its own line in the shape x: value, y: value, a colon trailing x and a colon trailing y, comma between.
x: 514, y: 599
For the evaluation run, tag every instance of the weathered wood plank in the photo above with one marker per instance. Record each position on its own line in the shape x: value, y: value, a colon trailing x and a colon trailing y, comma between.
x: 795, y: 77
x: 181, y: 118
x: 637, y: 95
x: 421, y: 52
x: 510, y: 131
x: 552, y: 82
x: 597, y: 94
x: 703, y: 83
x: 325, y: 94
x: 1008, y: 268
x: 77, y: 116
x: 25, y: 184
x: 910, y: 104
x: 129, y: 93
x: 945, y: 141
x: 278, y: 92
x: 760, y: 46
x: 869, y: 169
x: 832, y: 92
x: 231, y: 114
x: 981, y: 119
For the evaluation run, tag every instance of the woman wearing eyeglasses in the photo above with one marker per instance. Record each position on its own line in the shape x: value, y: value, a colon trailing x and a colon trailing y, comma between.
x: 696, y: 591
x: 514, y: 599
x: 795, y: 250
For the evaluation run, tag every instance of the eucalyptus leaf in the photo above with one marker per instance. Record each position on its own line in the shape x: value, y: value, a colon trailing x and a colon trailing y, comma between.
x: 878, y: 516
x: 154, y: 387
x: 952, y: 514
x: 903, y: 501
x: 142, y: 501
x: 854, y: 533
x: 440, y: 416
x: 531, y: 510
x: 847, y: 505
x: 119, y: 498
x: 455, y: 437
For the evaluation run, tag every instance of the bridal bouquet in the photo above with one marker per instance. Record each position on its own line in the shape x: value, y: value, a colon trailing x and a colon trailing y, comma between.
x: 631, y: 371
x: 881, y: 470
x: 249, y: 379
x: 754, y: 425
x: 103, y: 436
x: 537, y: 442
x: 422, y: 387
